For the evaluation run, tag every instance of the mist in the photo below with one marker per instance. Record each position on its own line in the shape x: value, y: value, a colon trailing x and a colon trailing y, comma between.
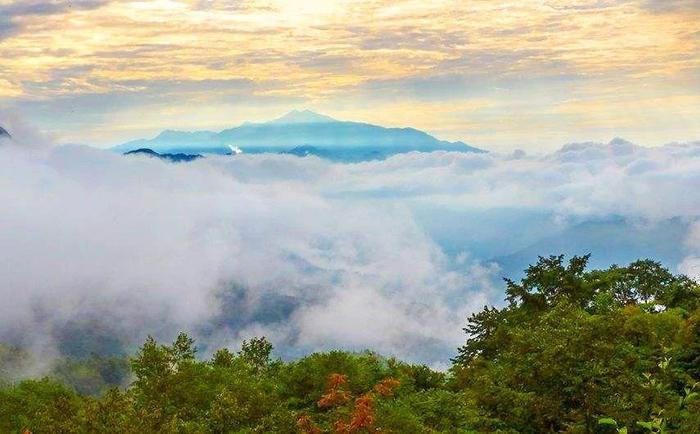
x: 390, y: 255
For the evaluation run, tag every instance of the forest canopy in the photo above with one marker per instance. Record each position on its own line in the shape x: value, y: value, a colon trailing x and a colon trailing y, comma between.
x: 572, y: 350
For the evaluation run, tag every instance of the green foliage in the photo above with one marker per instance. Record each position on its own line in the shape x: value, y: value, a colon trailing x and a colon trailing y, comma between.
x: 173, y: 392
x: 573, y: 350
x: 256, y: 352
x: 44, y: 404
x: 576, y: 347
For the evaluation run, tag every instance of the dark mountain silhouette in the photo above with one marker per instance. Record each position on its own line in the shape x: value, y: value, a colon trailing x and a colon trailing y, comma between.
x: 175, y: 158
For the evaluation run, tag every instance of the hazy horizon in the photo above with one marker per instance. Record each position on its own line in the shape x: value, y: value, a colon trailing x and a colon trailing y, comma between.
x: 15, y: 119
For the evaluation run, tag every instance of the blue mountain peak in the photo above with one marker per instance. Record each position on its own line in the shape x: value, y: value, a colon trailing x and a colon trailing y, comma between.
x: 302, y: 132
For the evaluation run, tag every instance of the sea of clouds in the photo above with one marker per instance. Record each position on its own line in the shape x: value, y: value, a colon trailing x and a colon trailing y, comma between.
x: 388, y: 255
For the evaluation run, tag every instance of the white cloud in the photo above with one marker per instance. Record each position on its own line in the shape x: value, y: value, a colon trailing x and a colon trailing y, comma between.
x: 313, y: 254
x: 148, y: 246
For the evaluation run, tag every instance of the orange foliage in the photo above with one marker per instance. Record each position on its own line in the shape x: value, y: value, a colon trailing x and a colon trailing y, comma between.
x: 307, y: 426
x: 340, y: 427
x: 362, y: 418
x: 386, y: 386
x: 334, y: 396
x: 363, y: 413
x: 337, y: 380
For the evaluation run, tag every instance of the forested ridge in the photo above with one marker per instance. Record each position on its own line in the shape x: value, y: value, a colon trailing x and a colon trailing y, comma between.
x: 573, y: 350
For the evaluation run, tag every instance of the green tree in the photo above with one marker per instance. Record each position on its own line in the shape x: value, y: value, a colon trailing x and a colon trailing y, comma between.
x: 256, y: 352
x: 574, y: 345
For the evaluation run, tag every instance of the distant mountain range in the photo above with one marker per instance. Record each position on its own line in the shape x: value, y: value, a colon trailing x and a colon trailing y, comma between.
x: 301, y: 133
x: 175, y: 158
x: 4, y: 134
x: 610, y: 241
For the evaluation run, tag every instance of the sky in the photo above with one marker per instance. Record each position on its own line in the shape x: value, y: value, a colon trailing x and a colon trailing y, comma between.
x: 499, y: 75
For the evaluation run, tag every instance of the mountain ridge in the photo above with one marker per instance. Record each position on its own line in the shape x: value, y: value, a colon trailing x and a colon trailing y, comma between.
x: 305, y: 129
x: 174, y: 158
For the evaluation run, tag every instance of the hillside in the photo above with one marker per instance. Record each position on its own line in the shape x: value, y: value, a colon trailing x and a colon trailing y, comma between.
x: 575, y: 350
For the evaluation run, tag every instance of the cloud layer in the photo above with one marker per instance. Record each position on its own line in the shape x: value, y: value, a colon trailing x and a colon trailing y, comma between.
x: 153, y: 248
x: 312, y: 254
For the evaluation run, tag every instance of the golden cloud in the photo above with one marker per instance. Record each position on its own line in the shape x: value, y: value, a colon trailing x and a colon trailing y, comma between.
x: 322, y: 50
